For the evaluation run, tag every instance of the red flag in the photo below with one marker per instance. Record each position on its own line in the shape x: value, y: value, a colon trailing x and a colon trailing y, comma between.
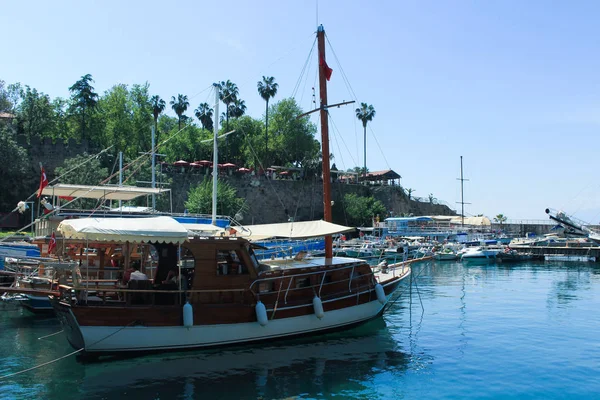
x: 43, y: 182
x: 52, y: 243
x: 326, y: 68
x: 68, y: 198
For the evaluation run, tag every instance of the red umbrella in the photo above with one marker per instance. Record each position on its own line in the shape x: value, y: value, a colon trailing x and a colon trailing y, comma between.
x: 284, y: 173
x: 195, y: 165
x: 204, y: 162
x: 243, y: 170
x: 228, y: 165
x: 181, y: 162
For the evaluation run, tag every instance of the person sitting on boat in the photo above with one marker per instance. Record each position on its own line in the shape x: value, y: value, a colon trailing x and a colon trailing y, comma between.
x: 136, y: 275
x: 172, y: 277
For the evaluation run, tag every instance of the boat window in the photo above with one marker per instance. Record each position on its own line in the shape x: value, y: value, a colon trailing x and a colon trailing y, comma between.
x: 253, y: 258
x: 230, y: 263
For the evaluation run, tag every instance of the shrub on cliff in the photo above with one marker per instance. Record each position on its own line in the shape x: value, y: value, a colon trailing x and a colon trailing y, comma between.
x: 200, y: 199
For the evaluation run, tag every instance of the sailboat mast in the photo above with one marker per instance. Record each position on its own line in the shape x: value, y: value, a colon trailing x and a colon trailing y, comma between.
x: 324, y: 138
x: 215, y: 159
x: 462, y: 197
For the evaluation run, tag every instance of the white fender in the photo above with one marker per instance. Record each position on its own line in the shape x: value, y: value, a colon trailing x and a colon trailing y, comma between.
x: 380, y: 293
x: 188, y: 315
x: 261, y: 313
x: 318, y: 306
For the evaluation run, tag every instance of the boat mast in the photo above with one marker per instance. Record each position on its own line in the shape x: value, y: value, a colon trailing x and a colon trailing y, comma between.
x: 462, y: 198
x: 215, y: 159
x: 324, y: 138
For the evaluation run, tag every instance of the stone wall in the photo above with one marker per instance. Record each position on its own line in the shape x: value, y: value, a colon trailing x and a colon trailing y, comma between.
x: 50, y: 154
x: 272, y: 201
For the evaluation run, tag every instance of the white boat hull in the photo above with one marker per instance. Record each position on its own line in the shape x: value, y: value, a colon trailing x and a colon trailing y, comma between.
x: 111, y: 339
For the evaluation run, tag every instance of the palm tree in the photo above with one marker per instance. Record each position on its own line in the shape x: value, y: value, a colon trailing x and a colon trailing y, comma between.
x: 158, y: 106
x: 237, y: 108
x: 179, y: 105
x: 365, y: 113
x: 431, y: 198
x: 409, y: 192
x: 228, y: 93
x: 204, y: 113
x: 500, y: 218
x: 267, y: 88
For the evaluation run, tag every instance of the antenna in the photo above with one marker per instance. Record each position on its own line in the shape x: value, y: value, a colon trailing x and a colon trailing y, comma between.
x: 462, y: 195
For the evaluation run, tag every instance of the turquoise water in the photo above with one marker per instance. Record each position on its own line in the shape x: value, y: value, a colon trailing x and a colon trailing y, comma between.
x: 482, y: 332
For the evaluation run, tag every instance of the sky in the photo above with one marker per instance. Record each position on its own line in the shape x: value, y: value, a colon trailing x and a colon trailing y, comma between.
x: 511, y: 86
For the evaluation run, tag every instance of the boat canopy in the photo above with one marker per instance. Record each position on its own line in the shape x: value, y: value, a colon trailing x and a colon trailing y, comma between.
x: 203, y: 228
x: 100, y: 192
x: 154, y: 229
x: 291, y: 230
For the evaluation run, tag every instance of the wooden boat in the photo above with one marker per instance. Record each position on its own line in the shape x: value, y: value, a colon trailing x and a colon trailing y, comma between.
x: 223, y: 294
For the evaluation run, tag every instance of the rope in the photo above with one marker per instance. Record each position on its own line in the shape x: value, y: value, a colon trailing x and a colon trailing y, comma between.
x: 41, y: 365
x: 66, y: 355
x: 52, y: 334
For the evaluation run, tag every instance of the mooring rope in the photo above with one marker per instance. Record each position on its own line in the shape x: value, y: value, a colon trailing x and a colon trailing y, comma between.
x: 66, y: 355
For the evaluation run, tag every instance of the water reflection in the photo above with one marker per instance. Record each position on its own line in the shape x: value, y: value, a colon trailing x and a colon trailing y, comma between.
x: 568, y: 286
x: 308, y: 367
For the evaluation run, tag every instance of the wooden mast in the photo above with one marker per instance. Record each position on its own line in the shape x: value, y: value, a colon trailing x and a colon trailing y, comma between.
x: 324, y: 138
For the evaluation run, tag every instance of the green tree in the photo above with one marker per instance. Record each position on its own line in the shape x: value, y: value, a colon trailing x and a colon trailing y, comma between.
x: 267, y: 88
x: 83, y: 98
x: 360, y: 210
x: 237, y: 108
x: 365, y: 113
x: 5, y: 103
x: 115, y: 109
x: 60, y: 126
x: 409, y: 192
x: 244, y: 142
x: 228, y: 94
x: 204, y: 113
x: 293, y: 139
x: 35, y: 114
x: 158, y: 106
x: 141, y: 114
x: 200, y: 199
x: 179, y: 105
x: 431, y: 198
x: 13, y: 169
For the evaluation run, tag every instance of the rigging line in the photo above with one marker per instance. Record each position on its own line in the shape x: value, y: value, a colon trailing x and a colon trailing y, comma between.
x: 200, y: 92
x: 343, y: 141
x: 379, y: 146
x: 306, y: 79
x: 341, y: 68
x: 292, y: 50
x: 299, y: 81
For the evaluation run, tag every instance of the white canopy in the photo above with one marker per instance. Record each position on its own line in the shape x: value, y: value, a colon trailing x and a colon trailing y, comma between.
x: 100, y: 192
x: 292, y: 230
x: 154, y: 229
x: 203, y: 228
